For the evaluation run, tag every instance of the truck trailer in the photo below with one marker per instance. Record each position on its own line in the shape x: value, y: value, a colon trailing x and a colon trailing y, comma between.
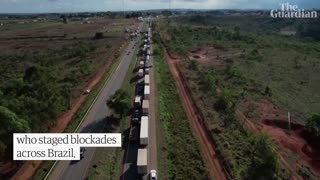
x: 146, y: 89
x: 142, y: 161
x: 144, y: 133
x: 145, y: 107
x: 147, y: 81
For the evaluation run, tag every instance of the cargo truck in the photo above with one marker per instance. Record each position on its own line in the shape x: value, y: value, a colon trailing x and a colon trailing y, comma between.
x: 140, y: 73
x: 147, y: 81
x: 137, y: 101
x: 142, y: 161
x: 146, y: 90
x: 144, y: 131
x: 141, y: 64
x: 145, y: 107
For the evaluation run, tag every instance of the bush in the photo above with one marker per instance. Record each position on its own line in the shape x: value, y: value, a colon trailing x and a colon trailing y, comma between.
x: 313, y: 125
x: 99, y: 35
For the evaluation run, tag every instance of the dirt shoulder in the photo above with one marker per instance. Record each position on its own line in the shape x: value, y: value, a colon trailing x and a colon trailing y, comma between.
x: 207, y: 147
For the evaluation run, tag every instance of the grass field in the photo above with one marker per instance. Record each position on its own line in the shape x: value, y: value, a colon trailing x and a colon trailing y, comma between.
x: 288, y: 65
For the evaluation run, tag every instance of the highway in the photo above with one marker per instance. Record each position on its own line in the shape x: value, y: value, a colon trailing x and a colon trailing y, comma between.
x: 129, y: 166
x: 95, y: 120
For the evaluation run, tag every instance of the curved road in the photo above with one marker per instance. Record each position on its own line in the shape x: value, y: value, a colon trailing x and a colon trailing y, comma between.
x: 94, y: 121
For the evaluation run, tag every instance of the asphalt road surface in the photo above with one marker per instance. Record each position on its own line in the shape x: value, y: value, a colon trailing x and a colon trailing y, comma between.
x: 94, y: 122
x: 129, y: 166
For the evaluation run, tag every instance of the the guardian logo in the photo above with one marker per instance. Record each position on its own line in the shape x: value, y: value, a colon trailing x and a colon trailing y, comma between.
x: 292, y: 11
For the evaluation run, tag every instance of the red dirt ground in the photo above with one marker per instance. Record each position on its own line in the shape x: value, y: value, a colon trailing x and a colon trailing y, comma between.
x: 274, y: 122
x: 28, y: 169
x: 215, y: 168
x: 271, y: 120
x: 213, y: 55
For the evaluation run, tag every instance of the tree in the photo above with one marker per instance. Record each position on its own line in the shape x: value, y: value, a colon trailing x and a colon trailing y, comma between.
x: 10, y: 123
x: 98, y: 35
x: 268, y: 91
x: 120, y: 102
x: 313, y: 125
x: 264, y: 161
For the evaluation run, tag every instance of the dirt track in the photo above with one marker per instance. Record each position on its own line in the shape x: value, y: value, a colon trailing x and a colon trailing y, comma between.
x: 207, y: 148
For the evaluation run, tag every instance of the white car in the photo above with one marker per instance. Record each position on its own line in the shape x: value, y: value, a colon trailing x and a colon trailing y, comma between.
x: 87, y: 91
x: 153, y: 175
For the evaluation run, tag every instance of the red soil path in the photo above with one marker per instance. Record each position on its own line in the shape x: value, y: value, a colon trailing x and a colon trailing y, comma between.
x: 29, y: 167
x: 207, y: 148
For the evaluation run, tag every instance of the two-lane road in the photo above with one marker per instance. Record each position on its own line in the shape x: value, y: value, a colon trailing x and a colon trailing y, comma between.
x: 93, y: 123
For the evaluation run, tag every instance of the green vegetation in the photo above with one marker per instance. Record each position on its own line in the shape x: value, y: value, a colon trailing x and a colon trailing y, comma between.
x: 178, y: 153
x: 10, y: 123
x: 219, y: 90
x: 313, y: 125
x: 40, y: 93
x: 120, y: 103
x: 260, y: 61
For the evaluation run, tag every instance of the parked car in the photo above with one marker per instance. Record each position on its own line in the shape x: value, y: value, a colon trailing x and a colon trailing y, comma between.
x: 87, y: 91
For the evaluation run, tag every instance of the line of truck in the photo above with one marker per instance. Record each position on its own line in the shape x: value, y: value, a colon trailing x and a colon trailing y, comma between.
x: 139, y: 131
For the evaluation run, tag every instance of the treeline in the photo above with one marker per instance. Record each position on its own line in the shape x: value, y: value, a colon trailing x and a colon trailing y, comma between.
x: 309, y: 29
x: 188, y: 38
x: 305, y: 28
x: 27, y: 104
x: 36, y: 88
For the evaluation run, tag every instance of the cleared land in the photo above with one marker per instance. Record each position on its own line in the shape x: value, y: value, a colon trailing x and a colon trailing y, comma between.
x: 243, y: 81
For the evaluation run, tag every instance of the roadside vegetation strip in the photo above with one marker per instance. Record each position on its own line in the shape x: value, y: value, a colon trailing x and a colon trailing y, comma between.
x: 107, y: 161
x: 80, y: 115
x: 179, y: 156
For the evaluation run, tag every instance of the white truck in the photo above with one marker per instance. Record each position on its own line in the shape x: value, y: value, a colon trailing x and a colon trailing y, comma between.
x: 140, y: 73
x: 137, y: 101
x: 141, y: 64
x: 142, y: 161
x: 147, y: 81
x: 144, y: 133
x: 146, y: 95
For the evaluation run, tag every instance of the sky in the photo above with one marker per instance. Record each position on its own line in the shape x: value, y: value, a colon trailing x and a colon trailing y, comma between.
x: 60, y: 6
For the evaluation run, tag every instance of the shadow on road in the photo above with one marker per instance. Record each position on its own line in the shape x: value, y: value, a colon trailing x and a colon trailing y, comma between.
x: 134, y: 79
x: 136, y: 69
x: 103, y: 125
